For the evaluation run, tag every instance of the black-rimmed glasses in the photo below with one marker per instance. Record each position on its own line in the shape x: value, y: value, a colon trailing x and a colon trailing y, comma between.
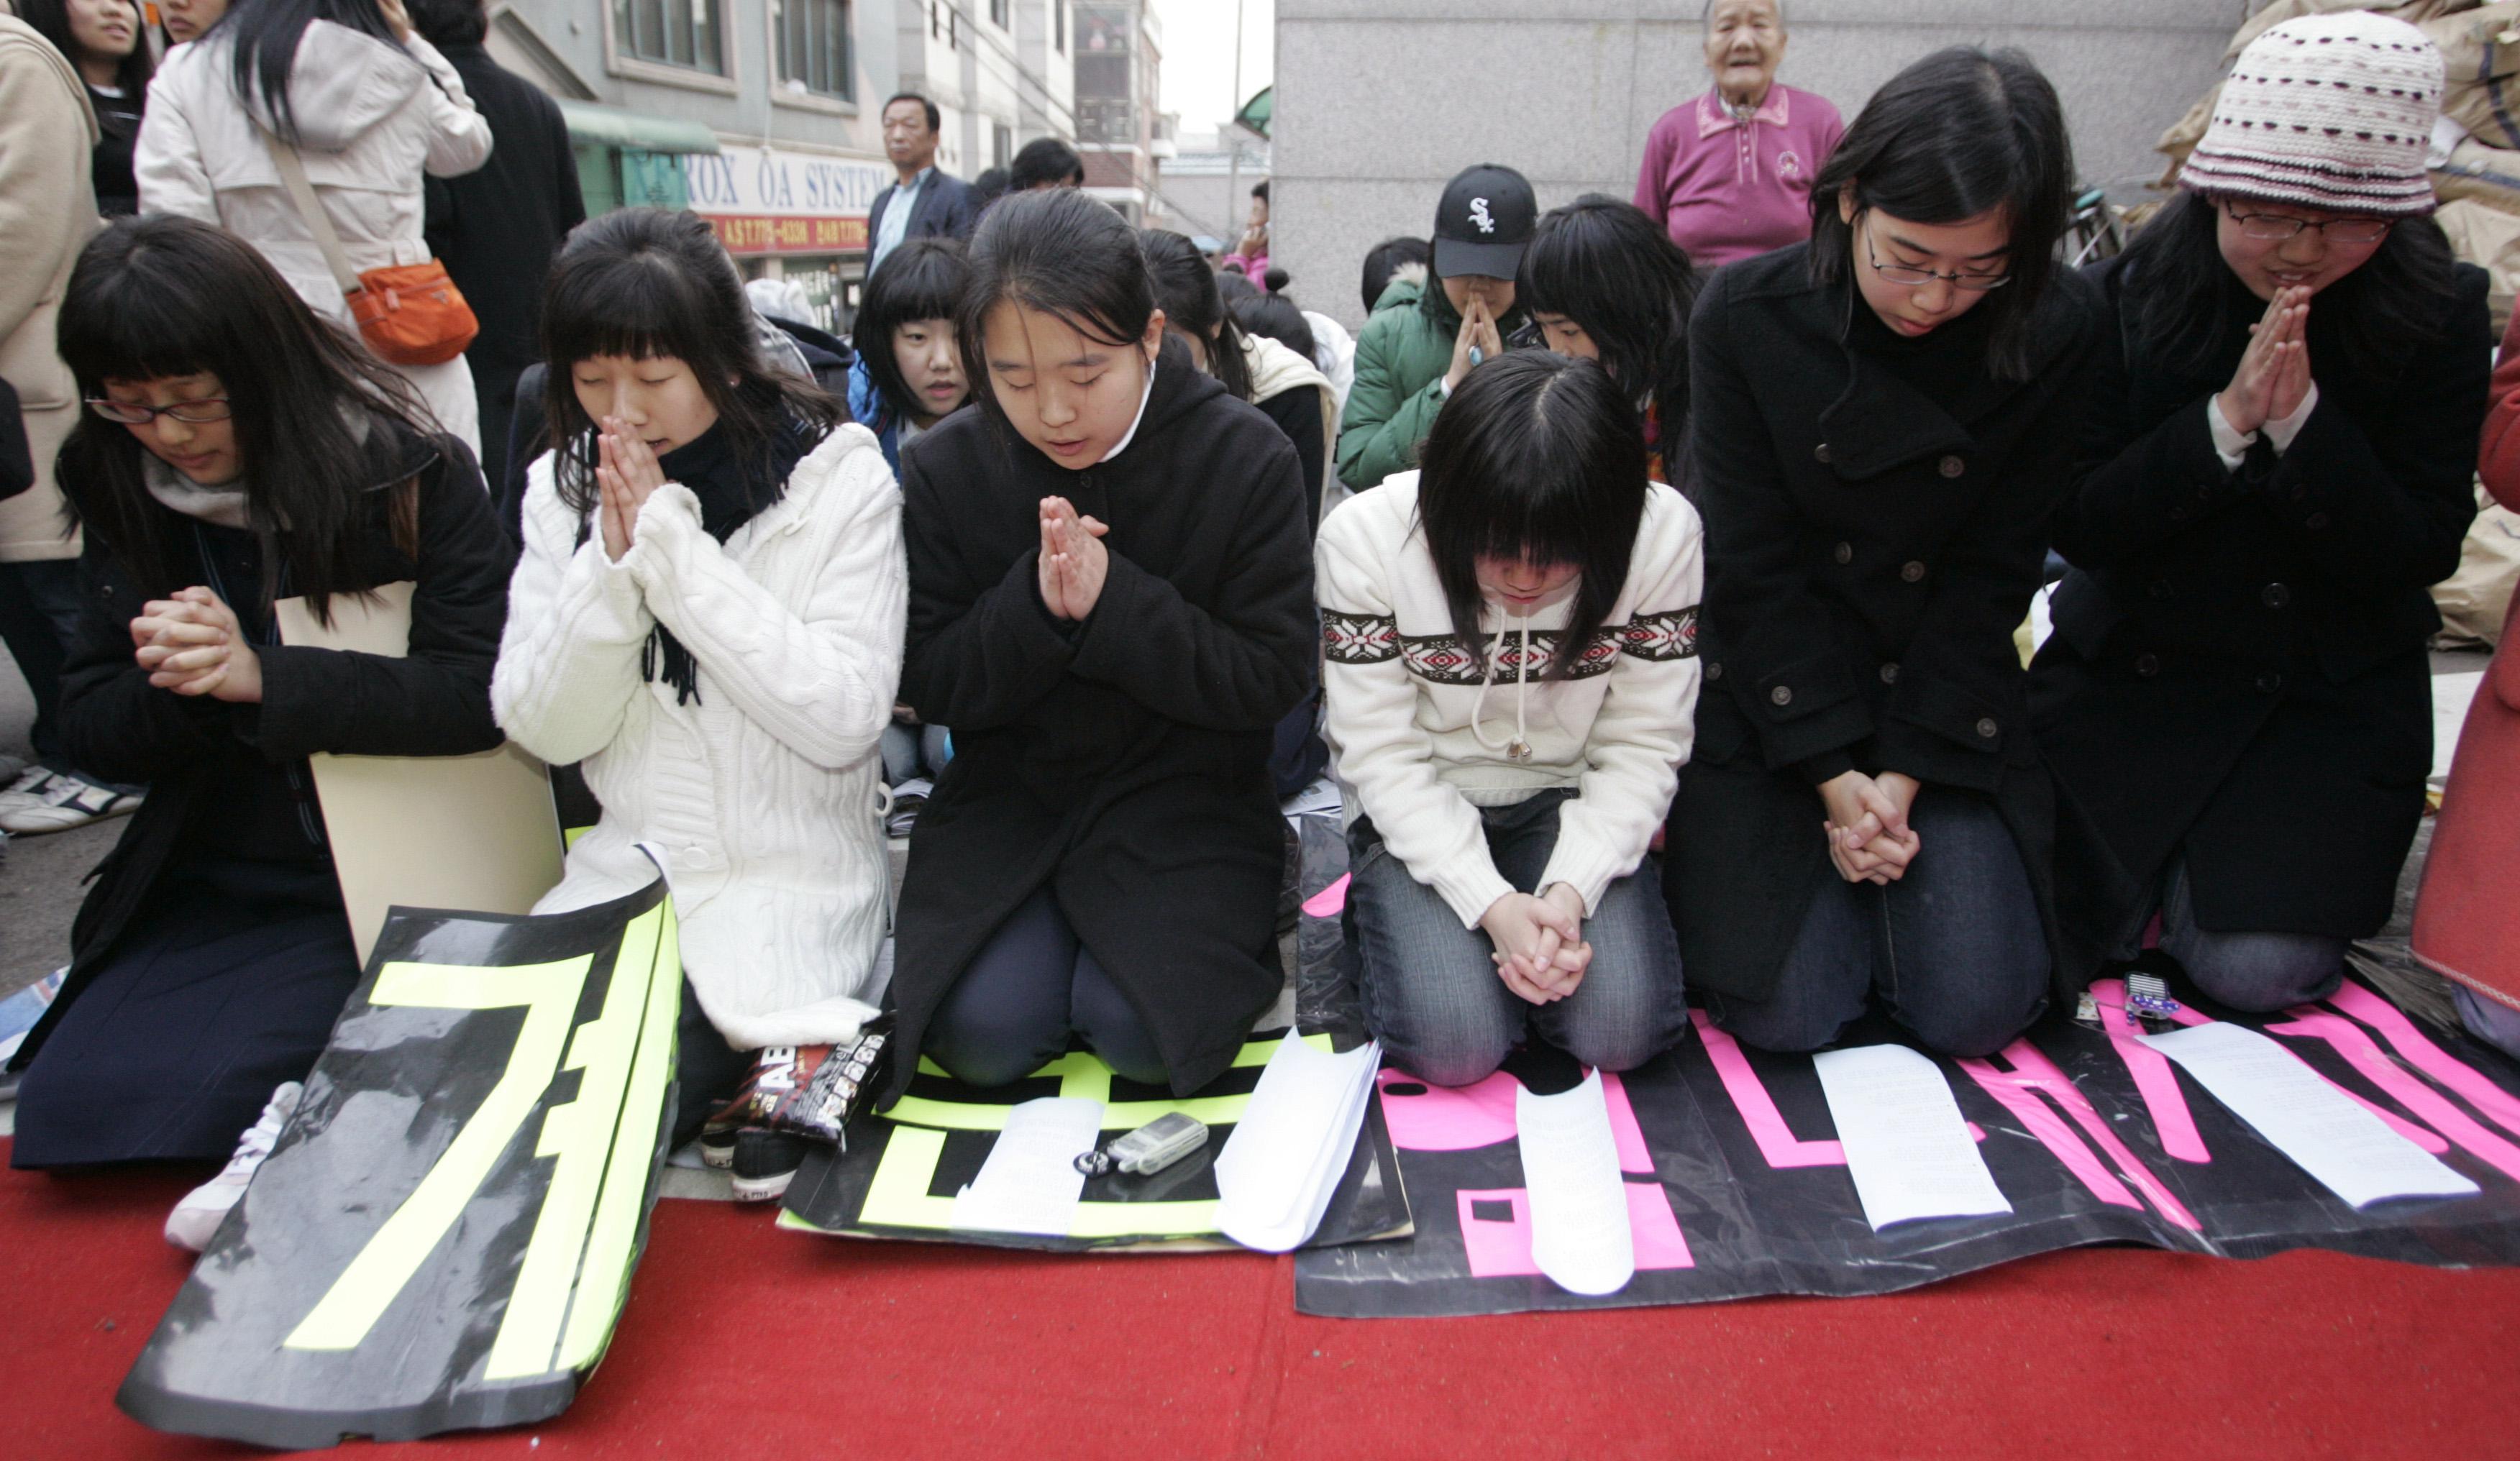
x: 1915, y: 277
x: 2276, y: 227
x: 137, y: 414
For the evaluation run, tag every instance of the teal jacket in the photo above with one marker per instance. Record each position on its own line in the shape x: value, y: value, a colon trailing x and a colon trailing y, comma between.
x: 1401, y: 357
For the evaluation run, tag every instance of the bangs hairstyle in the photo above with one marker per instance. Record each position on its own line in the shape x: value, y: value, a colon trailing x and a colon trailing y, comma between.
x: 2185, y: 306
x: 52, y: 20
x: 645, y: 283
x: 923, y: 278
x: 1614, y: 272
x: 1535, y: 458
x: 266, y: 33
x: 1186, y: 289
x: 167, y: 295
x: 1963, y: 132
x: 1064, y: 255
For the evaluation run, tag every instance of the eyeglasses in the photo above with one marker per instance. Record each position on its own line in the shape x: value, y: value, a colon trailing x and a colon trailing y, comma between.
x: 135, y: 413
x: 2276, y: 226
x: 1909, y: 273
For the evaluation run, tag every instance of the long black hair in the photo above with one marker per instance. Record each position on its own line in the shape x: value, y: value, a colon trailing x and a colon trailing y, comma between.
x: 648, y: 283
x: 1387, y: 258
x: 1045, y: 163
x: 1535, y: 458
x: 923, y: 279
x: 1616, y: 274
x: 2185, y: 306
x: 1186, y: 289
x: 169, y: 296
x: 1064, y: 255
x: 1275, y: 317
x: 266, y: 33
x: 52, y: 17
x: 1964, y: 132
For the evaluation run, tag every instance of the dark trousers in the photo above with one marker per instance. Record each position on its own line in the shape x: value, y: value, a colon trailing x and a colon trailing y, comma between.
x: 706, y: 1069
x: 1955, y: 949
x: 1032, y: 986
x: 38, y: 614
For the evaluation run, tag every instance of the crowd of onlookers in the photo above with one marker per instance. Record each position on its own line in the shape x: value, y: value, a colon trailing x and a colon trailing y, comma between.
x: 1622, y: 539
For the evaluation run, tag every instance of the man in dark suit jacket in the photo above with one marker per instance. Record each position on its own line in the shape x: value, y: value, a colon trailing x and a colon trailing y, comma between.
x: 942, y: 205
x: 497, y: 228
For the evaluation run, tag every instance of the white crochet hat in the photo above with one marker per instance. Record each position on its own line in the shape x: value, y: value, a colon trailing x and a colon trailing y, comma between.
x: 2329, y: 112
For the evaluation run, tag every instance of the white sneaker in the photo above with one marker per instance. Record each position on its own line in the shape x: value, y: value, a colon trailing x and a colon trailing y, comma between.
x: 25, y: 786
x: 61, y: 802
x: 11, y: 768
x: 197, y: 1219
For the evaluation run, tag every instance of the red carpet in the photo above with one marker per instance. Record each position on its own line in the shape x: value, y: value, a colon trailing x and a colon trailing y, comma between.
x: 743, y: 1341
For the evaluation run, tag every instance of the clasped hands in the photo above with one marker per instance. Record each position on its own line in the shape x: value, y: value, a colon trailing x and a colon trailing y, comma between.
x: 1540, y: 949
x: 1073, y: 561
x: 2273, y: 377
x: 1870, y: 840
x: 626, y: 474
x: 192, y: 644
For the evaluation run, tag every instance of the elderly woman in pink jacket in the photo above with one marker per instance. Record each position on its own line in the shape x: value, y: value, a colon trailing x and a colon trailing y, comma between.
x: 368, y: 107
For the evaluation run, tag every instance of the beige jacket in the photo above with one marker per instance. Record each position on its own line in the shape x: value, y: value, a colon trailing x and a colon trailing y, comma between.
x: 47, y: 213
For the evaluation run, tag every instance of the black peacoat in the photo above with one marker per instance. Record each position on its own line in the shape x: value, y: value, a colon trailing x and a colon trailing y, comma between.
x: 2237, y: 670
x: 1123, y: 761
x: 1876, y: 517
x: 197, y: 755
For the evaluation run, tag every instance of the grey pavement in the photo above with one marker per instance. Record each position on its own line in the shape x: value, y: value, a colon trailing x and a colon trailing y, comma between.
x: 39, y: 876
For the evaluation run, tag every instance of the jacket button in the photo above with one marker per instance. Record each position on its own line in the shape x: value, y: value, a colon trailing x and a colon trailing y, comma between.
x: 2179, y: 515
x: 1890, y: 673
x: 1986, y: 727
x: 2270, y: 683
x: 2315, y: 520
x: 1715, y: 668
x: 1783, y: 694
x: 2159, y: 588
x: 2147, y: 665
x: 1912, y: 572
x: 2275, y: 595
x: 1844, y: 552
x: 1952, y: 467
x: 1820, y: 452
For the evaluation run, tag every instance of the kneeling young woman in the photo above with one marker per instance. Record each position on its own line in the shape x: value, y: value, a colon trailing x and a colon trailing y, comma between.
x: 1882, y: 422
x: 239, y: 451
x: 1511, y: 637
x: 2236, y: 697
x: 1112, y: 603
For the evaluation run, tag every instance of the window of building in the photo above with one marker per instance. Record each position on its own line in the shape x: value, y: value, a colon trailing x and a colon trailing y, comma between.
x: 814, y: 45
x: 671, y: 33
x: 998, y: 14
x: 1002, y: 144
x: 1058, y: 25
x: 935, y: 22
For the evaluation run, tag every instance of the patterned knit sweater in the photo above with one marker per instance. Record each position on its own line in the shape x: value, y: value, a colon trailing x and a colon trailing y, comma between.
x: 762, y: 791
x: 1426, y: 731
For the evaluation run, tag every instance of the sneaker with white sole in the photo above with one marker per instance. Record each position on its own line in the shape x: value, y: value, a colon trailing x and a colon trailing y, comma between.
x: 197, y: 1219
x: 26, y: 785
x: 764, y: 1163
x: 63, y: 800
x: 12, y: 768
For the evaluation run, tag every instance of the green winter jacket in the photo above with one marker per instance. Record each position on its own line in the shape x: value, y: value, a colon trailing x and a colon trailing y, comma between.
x: 1401, y: 357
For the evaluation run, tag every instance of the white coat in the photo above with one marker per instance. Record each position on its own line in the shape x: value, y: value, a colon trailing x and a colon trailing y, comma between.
x: 763, y: 791
x: 372, y: 118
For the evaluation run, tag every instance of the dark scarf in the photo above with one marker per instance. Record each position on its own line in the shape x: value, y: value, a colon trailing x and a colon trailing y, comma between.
x: 730, y: 497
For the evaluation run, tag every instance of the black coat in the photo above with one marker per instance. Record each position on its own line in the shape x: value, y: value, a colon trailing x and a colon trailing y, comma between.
x: 496, y: 229
x: 197, y: 755
x: 1869, y: 553
x: 2238, y: 666
x: 947, y: 208
x: 1123, y: 762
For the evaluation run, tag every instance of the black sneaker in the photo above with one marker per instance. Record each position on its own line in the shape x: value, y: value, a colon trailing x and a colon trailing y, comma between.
x: 765, y: 1163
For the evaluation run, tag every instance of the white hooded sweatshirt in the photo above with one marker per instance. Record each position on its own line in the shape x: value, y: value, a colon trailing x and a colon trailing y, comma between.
x: 373, y: 118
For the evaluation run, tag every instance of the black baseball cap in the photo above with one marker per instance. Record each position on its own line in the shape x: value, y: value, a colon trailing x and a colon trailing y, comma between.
x: 1484, y: 222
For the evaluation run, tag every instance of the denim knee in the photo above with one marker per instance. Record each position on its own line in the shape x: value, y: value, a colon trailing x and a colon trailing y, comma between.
x: 1781, y: 1023
x: 1967, y: 1028
x: 2259, y: 973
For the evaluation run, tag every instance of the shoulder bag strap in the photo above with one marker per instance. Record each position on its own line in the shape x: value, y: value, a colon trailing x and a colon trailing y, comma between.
x: 292, y: 175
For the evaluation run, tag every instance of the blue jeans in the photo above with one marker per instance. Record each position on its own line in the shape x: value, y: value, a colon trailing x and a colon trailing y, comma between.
x: 2258, y: 973
x: 1432, y: 994
x: 1955, y: 949
x: 913, y: 751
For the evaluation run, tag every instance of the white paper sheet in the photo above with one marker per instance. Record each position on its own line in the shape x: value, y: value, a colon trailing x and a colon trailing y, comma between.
x: 1029, y: 1184
x: 1580, y: 1236
x: 1284, y: 1159
x: 1907, y: 1147
x: 2345, y: 1148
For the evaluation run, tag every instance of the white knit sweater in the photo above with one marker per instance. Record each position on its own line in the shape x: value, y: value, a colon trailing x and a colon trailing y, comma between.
x: 1423, y: 731
x: 764, y: 789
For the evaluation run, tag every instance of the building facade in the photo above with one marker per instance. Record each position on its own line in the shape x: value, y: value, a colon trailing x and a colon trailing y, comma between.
x: 1379, y: 101
x: 764, y: 116
x: 1120, y: 124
